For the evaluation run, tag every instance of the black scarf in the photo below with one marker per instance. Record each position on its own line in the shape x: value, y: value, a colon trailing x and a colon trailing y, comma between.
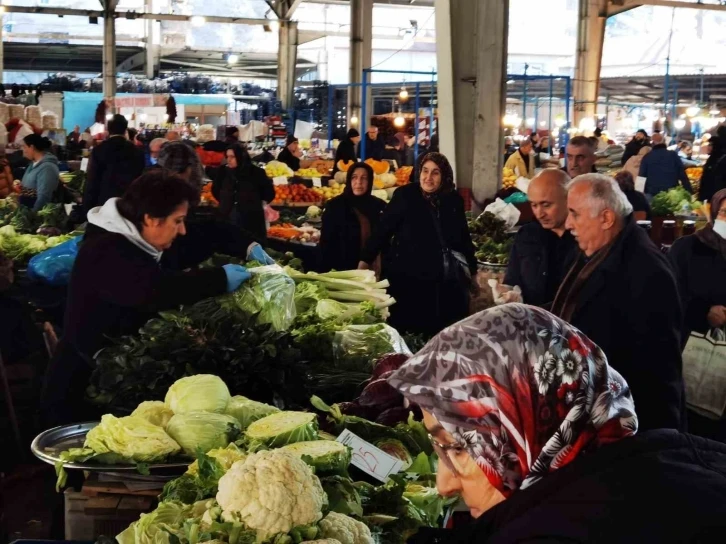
x: 447, y: 178
x: 366, y: 204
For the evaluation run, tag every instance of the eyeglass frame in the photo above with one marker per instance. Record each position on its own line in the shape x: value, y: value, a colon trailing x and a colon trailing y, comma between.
x: 443, y: 454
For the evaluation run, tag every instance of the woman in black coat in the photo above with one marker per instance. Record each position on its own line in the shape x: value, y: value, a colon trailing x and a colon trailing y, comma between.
x: 349, y: 220
x: 409, y: 239
x: 243, y: 188
x: 117, y: 284
x: 346, y: 151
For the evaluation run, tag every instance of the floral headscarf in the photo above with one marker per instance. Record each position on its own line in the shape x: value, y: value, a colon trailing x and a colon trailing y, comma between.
x: 522, y: 390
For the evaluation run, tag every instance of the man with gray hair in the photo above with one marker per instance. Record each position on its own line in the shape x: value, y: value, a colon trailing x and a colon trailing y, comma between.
x: 154, y: 148
x: 622, y: 293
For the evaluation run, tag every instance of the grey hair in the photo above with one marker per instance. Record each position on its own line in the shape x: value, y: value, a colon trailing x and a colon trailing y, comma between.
x: 605, y: 194
x: 160, y: 141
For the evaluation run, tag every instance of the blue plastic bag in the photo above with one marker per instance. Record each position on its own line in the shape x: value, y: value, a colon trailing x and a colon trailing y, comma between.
x: 54, y: 265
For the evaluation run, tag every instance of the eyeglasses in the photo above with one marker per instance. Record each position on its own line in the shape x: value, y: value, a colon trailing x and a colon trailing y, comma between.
x: 445, y: 452
x: 722, y: 213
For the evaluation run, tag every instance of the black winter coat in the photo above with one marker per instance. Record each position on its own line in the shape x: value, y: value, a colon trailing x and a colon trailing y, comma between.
x: 413, y: 261
x: 374, y: 148
x: 345, y: 153
x: 340, y: 234
x: 115, y: 287
x: 113, y: 165
x: 630, y: 307
x: 289, y: 159
x: 701, y: 274
x: 714, y: 176
x: 530, y: 262
x: 240, y: 199
x: 632, y: 148
x: 659, y: 486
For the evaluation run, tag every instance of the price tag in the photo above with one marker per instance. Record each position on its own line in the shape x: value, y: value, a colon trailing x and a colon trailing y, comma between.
x: 279, y: 180
x: 368, y: 458
x: 317, y: 182
x: 84, y: 164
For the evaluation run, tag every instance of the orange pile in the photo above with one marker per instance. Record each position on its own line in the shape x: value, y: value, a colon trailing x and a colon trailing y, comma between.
x: 403, y: 175
x: 207, y: 196
x: 284, y: 231
x: 295, y: 193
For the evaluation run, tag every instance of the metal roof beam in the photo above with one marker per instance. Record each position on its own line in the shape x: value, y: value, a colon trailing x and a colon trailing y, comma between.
x: 624, y: 5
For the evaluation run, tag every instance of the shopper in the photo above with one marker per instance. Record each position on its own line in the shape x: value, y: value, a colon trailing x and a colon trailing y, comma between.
x: 182, y: 160
x: 409, y: 154
x: 242, y: 189
x: 419, y: 217
x: 522, y: 161
x: 374, y: 145
x: 509, y: 148
x: 699, y: 261
x: 543, y: 250
x: 231, y: 135
x: 633, y: 164
x: 173, y: 136
x: 536, y: 432
x: 349, y: 220
x: 542, y: 148
x: 714, y: 171
x: 346, y: 151
x: 394, y: 149
x: 6, y: 175
x: 40, y: 179
x: 291, y: 154
x: 662, y: 169
x: 639, y: 140
x: 622, y: 293
x: 636, y: 198
x: 114, y: 164
x: 602, y: 140
x: 117, y: 284
x: 580, y: 157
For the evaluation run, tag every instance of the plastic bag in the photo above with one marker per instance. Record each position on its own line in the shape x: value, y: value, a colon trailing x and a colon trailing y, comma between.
x: 506, y: 212
x: 505, y: 294
x: 270, y: 296
x: 54, y: 265
x: 365, y: 343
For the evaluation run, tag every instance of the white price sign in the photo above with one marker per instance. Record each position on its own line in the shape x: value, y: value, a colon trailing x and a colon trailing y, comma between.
x: 84, y: 164
x: 317, y: 182
x: 368, y: 458
x: 279, y: 180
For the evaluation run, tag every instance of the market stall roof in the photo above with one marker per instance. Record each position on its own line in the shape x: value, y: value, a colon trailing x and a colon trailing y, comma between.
x: 57, y: 57
x: 652, y: 88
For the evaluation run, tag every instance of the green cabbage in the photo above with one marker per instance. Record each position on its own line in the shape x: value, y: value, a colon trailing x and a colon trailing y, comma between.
x: 154, y: 411
x: 325, y: 456
x: 246, y: 411
x: 396, y: 449
x: 269, y: 296
x: 281, y: 429
x: 157, y: 527
x: 205, y: 431
x: 224, y: 457
x: 199, y: 393
x: 131, y: 437
x: 427, y: 500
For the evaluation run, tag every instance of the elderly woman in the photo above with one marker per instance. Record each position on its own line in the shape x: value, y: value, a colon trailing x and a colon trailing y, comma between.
x: 182, y: 160
x: 641, y: 208
x: 424, y: 222
x: 41, y: 176
x: 537, y: 434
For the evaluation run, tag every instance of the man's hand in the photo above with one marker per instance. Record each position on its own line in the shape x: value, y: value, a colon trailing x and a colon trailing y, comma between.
x: 363, y: 266
x: 717, y: 316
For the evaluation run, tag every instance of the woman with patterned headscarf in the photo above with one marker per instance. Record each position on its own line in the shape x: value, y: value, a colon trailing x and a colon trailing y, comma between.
x: 422, y: 222
x: 537, y: 434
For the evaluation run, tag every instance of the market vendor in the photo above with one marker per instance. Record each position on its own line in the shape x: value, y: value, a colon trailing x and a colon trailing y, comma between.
x: 242, y: 189
x: 539, y: 435
x: 6, y: 175
x: 291, y: 154
x: 117, y: 284
x: 346, y: 151
x: 42, y: 176
x: 349, y: 220
x: 522, y: 161
x: 543, y: 250
x: 420, y: 219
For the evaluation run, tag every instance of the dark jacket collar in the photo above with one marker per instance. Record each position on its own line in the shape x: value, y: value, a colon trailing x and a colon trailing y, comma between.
x: 660, y: 146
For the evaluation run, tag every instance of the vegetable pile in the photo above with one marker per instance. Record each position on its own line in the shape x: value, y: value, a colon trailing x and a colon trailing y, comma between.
x: 676, y: 201
x: 490, y: 238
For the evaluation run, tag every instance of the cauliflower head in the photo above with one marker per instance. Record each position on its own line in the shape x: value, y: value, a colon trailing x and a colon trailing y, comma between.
x: 271, y: 492
x: 345, y: 529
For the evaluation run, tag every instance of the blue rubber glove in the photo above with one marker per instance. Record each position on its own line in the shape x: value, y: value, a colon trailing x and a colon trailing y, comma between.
x: 236, y: 276
x: 258, y: 254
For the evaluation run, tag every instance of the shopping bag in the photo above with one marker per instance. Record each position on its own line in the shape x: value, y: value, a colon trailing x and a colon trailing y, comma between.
x: 54, y: 265
x: 704, y: 373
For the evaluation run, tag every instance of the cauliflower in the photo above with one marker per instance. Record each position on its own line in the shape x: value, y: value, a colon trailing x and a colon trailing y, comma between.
x: 346, y: 530
x: 271, y: 492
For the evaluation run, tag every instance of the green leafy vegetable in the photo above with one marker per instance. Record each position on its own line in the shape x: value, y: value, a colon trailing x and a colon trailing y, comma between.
x: 246, y: 411
x: 282, y: 428
x: 325, y: 456
x: 202, y: 431
x: 199, y: 393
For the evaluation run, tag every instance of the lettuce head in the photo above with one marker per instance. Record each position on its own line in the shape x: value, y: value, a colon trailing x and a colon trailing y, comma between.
x: 199, y: 393
x: 132, y: 437
x: 205, y: 431
x: 155, y: 412
x: 281, y: 429
x: 246, y: 411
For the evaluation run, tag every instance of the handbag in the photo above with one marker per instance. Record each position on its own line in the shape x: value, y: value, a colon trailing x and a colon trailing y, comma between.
x: 704, y: 373
x: 456, y: 267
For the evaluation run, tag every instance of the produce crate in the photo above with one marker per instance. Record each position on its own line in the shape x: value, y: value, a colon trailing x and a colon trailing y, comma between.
x: 105, y: 507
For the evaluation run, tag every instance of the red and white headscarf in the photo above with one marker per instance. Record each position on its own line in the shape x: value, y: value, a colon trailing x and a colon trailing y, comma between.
x: 522, y: 390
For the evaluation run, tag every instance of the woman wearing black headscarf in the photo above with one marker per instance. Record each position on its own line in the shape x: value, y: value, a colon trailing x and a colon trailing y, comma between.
x: 242, y: 188
x: 422, y: 221
x: 346, y: 151
x: 349, y: 220
x: 714, y: 171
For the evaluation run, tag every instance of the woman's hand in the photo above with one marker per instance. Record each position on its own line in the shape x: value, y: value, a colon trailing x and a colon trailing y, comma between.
x: 236, y: 276
x: 717, y: 316
x: 363, y: 266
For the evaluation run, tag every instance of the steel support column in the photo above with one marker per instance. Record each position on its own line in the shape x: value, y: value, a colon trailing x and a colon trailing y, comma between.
x: 472, y: 59
x: 2, y: 51
x: 592, y: 15
x: 151, y: 62
x: 287, y: 60
x: 361, y: 38
x: 109, y: 48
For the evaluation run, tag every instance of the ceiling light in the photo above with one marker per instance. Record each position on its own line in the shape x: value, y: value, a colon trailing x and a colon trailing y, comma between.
x: 232, y: 58
x: 693, y: 111
x: 403, y: 95
x: 679, y: 123
x: 198, y: 20
x: 543, y: 123
x: 530, y: 121
x: 715, y: 111
x: 354, y: 120
x: 399, y: 121
x: 274, y: 26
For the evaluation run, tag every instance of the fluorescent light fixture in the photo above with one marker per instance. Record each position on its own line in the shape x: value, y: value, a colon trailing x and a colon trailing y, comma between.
x: 197, y: 20
x: 232, y: 58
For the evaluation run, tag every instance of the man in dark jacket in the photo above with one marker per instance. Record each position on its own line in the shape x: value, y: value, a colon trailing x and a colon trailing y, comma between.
x: 544, y: 249
x: 662, y: 169
x: 622, y: 293
x: 114, y: 164
x: 291, y: 154
x: 374, y: 145
x: 346, y: 151
x: 633, y: 147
